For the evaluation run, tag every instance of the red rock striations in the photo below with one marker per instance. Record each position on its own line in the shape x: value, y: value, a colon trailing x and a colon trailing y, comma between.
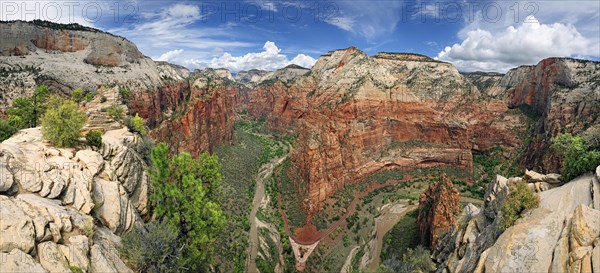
x: 438, y: 208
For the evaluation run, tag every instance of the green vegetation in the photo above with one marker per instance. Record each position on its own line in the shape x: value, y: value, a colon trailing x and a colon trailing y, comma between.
x: 144, y: 149
x: 76, y: 269
x: 580, y: 154
x: 520, y: 199
x: 402, y: 237
x: 125, y: 94
x: 77, y: 95
x: 135, y: 124
x: 115, y: 111
x: 414, y: 260
x: 62, y: 122
x: 185, y: 194
x: 103, y: 99
x: 153, y: 248
x: 26, y: 112
x: 94, y: 138
x: 6, y: 130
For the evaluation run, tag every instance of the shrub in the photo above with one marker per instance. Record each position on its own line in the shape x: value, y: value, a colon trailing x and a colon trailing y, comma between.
x: 579, y: 154
x: 89, y: 96
x: 520, y: 199
x: 62, y: 123
x: 115, y: 111
x: 88, y: 227
x: 136, y: 125
x: 103, y: 99
x: 144, y: 148
x: 125, y: 93
x: 153, y: 248
x: 94, y: 138
x: 6, y: 130
x: 77, y: 95
x: 76, y: 269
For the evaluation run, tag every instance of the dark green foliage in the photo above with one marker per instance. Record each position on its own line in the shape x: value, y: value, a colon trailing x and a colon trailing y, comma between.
x: 6, y: 130
x: 414, y: 260
x: 403, y: 236
x: 77, y: 95
x: 103, y: 99
x: 62, y: 122
x: 125, y: 94
x: 519, y: 199
x: 94, y: 138
x: 29, y: 110
x: 580, y: 155
x: 153, y: 248
x: 144, y: 149
x: 185, y: 195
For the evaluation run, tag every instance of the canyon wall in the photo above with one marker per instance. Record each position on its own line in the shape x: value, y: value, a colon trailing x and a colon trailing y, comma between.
x: 189, y: 111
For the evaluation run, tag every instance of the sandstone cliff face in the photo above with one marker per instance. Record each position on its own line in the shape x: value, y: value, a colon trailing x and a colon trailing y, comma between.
x: 357, y: 114
x: 437, y: 208
x: 193, y: 111
x: 565, y: 93
x: 67, y: 207
x: 561, y: 235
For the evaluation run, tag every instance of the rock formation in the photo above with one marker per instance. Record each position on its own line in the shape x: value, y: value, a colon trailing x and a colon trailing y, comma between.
x: 66, y: 207
x: 561, y: 235
x: 438, y: 206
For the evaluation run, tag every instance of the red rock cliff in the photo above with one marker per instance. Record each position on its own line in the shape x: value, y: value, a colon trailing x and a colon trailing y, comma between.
x: 438, y: 207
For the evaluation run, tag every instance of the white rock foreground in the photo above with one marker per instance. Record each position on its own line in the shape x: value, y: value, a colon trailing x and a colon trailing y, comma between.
x: 62, y: 208
x: 561, y: 235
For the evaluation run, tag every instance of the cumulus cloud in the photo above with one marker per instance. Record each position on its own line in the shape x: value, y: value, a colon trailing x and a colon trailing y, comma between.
x: 169, y: 55
x: 526, y: 44
x: 268, y: 59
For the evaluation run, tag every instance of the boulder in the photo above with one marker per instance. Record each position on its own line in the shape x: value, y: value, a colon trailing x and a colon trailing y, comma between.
x: 114, y: 208
x: 585, y: 226
x: 18, y: 261
x: 6, y: 177
x: 76, y: 250
x: 52, y: 258
x: 17, y: 229
x: 104, y: 254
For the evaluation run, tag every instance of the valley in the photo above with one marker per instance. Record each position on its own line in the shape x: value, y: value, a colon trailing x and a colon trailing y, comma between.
x: 362, y: 163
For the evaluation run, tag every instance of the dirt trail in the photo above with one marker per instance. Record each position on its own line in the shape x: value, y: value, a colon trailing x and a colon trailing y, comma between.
x: 259, y: 194
x: 348, y: 262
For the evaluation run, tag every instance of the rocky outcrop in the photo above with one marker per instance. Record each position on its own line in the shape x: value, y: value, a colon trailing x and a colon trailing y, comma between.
x: 438, y: 207
x: 195, y: 111
x: 560, y: 235
x: 67, y: 207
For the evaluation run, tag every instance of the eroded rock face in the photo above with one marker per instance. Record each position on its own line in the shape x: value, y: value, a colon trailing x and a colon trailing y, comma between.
x: 558, y: 236
x: 61, y: 196
x: 357, y: 114
x: 438, y: 206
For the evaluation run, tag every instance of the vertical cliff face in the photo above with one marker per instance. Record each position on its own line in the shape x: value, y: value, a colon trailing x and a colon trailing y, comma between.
x: 357, y: 114
x: 438, y: 206
x: 565, y: 93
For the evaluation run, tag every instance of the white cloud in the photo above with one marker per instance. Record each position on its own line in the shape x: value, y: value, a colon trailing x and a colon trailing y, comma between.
x: 169, y: 55
x: 345, y: 23
x: 268, y: 59
x: 369, y: 19
x: 526, y: 44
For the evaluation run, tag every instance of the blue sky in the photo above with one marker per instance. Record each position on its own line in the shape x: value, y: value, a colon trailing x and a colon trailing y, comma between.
x: 269, y: 34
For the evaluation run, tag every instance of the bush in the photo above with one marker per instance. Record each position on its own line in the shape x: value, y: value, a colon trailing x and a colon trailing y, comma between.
x: 77, y: 95
x: 520, y: 199
x: 125, y: 93
x: 62, y: 123
x: 144, y: 148
x: 88, y: 227
x: 115, y: 111
x: 76, y: 269
x: 136, y: 125
x: 153, y: 248
x: 579, y: 154
x: 94, y: 138
x: 6, y: 130
x: 103, y: 99
x: 89, y: 96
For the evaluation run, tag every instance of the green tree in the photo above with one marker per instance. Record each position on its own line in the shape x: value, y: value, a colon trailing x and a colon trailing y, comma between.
x: 94, y: 138
x: 580, y: 155
x: 6, y: 130
x: 62, y: 123
x: 136, y: 124
x: 29, y: 110
x: 77, y: 95
x: 184, y: 195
